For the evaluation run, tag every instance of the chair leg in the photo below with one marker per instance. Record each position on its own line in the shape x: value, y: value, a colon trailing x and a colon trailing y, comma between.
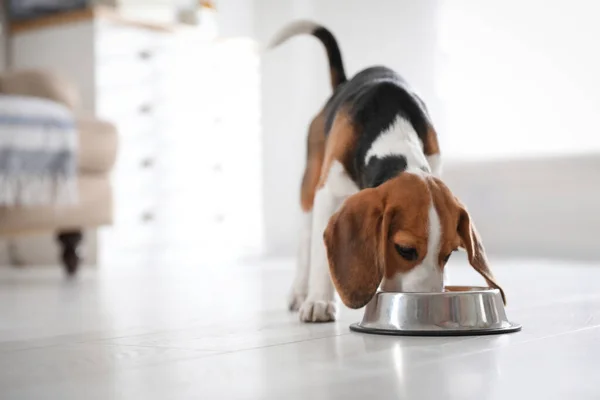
x: 69, y: 242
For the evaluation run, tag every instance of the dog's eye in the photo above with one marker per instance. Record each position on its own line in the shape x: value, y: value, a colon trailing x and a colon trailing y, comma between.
x: 408, y: 253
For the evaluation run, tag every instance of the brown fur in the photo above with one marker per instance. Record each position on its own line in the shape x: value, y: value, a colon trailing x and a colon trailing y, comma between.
x: 430, y: 144
x: 449, y: 213
x: 409, y: 201
x: 361, y: 237
x: 475, y: 251
x: 453, y: 214
x: 341, y: 141
x: 354, y: 238
x: 315, y: 152
x: 323, y: 151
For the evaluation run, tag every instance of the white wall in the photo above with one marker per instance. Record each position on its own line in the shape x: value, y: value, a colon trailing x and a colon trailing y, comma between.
x: 520, y: 89
x: 537, y: 207
x: 520, y: 78
x: 400, y: 34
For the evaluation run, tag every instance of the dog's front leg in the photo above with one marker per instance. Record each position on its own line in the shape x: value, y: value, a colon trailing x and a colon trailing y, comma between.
x: 320, y: 304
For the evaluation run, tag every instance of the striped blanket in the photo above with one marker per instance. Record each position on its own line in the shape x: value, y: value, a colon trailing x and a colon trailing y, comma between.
x: 38, y: 152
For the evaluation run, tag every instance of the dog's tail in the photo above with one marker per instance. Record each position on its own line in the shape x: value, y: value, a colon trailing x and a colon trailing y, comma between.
x: 336, y: 66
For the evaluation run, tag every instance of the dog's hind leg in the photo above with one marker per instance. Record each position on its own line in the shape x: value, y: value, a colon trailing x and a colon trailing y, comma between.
x: 300, y: 286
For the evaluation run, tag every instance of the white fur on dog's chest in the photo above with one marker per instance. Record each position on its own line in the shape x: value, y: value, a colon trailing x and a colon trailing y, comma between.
x: 339, y: 184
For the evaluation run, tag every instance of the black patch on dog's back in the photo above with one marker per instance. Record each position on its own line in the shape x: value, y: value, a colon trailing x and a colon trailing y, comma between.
x: 378, y: 108
x: 380, y: 170
x: 374, y: 98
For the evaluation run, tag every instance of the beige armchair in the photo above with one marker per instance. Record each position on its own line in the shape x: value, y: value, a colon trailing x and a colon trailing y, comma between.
x: 97, y: 153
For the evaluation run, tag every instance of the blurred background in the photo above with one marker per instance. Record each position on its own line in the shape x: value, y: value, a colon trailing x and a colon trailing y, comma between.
x: 191, y: 138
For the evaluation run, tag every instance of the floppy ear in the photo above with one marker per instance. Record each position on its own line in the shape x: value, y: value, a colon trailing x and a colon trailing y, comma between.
x: 355, y: 239
x: 477, y: 257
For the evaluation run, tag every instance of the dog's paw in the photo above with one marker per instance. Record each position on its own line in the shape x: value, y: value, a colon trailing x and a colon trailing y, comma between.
x: 314, y: 310
x: 295, y: 299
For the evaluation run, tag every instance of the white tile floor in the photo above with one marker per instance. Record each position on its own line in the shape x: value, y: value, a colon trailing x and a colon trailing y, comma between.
x: 181, y: 330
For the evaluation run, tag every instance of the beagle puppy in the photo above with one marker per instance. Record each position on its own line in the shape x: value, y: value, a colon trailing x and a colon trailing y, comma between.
x: 376, y: 214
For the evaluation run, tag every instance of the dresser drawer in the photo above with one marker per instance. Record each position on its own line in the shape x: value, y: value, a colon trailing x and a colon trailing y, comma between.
x: 131, y: 237
x: 208, y: 232
x: 123, y: 104
x: 141, y: 130
x: 136, y: 159
x: 146, y: 67
x: 113, y: 39
x: 136, y: 171
x: 184, y: 232
x: 134, y: 208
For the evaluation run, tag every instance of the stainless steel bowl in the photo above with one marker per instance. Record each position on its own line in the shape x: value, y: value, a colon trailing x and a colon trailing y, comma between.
x: 457, y: 311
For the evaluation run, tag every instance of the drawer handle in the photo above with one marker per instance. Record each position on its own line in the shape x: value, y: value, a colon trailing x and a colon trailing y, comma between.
x: 145, y: 55
x: 146, y: 109
x: 147, y: 217
x: 147, y: 163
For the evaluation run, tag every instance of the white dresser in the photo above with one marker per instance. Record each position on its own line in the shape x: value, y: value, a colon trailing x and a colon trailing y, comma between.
x: 188, y: 175
x: 160, y: 11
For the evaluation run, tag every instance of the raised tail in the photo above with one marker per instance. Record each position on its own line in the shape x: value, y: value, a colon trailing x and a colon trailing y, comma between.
x: 336, y: 66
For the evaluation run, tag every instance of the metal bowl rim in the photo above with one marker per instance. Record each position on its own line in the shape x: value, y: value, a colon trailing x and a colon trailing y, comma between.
x: 514, y: 327
x: 474, y: 290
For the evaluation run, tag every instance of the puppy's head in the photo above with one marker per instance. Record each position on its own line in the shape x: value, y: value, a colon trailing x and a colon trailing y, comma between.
x: 403, y: 230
